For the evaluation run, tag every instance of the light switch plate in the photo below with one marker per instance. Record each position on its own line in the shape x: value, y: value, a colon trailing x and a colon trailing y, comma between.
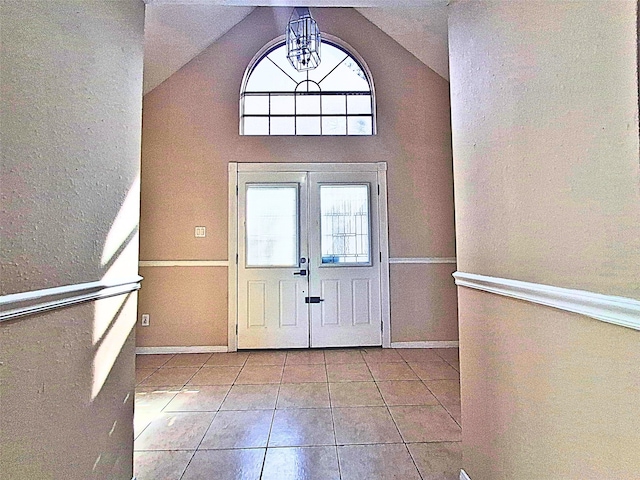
x: 201, y: 232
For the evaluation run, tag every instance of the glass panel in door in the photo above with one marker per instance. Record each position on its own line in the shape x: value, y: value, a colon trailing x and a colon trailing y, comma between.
x: 344, y: 225
x: 272, y: 225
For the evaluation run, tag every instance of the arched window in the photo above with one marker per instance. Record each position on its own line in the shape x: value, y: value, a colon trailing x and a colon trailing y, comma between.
x: 336, y: 98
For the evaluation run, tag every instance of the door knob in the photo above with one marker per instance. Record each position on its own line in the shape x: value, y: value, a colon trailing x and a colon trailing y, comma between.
x: 302, y: 273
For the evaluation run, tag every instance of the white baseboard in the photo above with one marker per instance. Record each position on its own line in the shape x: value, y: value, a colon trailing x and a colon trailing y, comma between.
x: 170, y: 350
x: 427, y: 344
x: 464, y: 476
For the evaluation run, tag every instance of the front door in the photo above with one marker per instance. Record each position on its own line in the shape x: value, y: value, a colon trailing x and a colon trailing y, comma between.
x: 308, y: 260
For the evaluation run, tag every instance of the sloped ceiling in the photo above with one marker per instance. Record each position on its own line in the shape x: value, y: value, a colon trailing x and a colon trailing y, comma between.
x: 174, y: 34
x: 178, y: 30
x: 421, y: 30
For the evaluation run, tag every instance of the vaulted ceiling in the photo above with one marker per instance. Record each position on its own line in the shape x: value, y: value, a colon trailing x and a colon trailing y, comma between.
x: 178, y: 30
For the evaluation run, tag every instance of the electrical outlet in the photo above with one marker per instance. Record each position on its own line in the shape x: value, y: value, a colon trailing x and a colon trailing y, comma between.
x: 145, y: 320
x: 201, y: 232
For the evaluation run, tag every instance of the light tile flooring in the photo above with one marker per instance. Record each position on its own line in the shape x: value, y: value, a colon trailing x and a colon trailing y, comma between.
x: 350, y: 414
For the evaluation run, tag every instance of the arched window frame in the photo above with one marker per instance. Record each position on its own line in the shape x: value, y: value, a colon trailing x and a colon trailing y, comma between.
x: 326, y: 38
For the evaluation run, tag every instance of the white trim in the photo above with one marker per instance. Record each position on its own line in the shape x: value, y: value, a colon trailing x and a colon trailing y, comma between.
x: 170, y: 350
x: 463, y: 475
x: 383, y: 239
x: 436, y: 260
x: 607, y: 308
x: 312, y: 167
x: 183, y: 263
x: 232, y: 249
x: 37, y: 301
x: 427, y: 344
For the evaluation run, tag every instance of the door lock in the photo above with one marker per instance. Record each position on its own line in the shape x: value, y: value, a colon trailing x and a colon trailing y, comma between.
x: 313, y: 300
x: 302, y: 273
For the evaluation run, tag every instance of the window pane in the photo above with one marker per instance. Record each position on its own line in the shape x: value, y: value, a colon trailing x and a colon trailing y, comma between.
x: 359, y: 126
x: 272, y: 225
x: 282, y: 104
x: 344, y: 212
x: 308, y: 126
x: 256, y: 126
x: 334, y: 125
x: 279, y: 57
x: 331, y: 56
x: 346, y: 77
x: 266, y: 77
x: 308, y: 104
x: 258, y: 104
x: 334, y: 104
x: 282, y: 126
x: 358, y: 104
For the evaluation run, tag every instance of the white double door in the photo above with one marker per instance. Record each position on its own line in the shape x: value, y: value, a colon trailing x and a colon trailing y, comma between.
x: 308, y: 260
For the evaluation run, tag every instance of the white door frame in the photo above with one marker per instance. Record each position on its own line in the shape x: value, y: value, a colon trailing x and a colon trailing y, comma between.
x: 379, y: 167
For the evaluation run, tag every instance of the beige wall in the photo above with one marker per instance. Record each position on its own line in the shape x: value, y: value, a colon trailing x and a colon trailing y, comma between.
x: 190, y: 133
x: 420, y: 292
x: 546, y: 161
x: 71, y: 83
x: 547, y: 394
x: 187, y: 306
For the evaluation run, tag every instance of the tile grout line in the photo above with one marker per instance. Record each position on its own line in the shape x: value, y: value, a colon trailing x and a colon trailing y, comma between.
x: 273, y: 416
x: 208, y: 427
x: 333, y: 421
x: 214, y: 415
x: 404, y: 443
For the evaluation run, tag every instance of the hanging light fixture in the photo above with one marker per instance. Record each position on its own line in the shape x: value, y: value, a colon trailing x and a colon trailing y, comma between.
x: 303, y: 40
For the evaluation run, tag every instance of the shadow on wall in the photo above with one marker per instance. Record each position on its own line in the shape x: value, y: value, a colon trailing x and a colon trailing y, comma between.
x: 70, y: 373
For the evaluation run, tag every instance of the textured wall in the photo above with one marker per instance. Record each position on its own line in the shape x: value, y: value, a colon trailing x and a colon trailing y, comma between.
x: 547, y: 189
x: 70, y: 121
x: 190, y: 133
x: 546, y: 137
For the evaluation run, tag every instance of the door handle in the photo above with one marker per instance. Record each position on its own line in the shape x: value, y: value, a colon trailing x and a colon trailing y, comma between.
x: 302, y: 273
x: 313, y: 300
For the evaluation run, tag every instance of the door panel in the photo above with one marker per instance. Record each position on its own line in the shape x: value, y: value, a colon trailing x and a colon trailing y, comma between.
x: 272, y: 218
x: 289, y: 295
x: 256, y: 303
x: 330, y: 308
x: 361, y: 298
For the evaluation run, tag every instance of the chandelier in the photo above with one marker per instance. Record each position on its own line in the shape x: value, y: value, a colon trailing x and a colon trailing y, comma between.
x: 303, y: 40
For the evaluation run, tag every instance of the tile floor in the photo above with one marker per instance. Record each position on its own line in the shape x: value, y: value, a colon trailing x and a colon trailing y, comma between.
x: 349, y: 414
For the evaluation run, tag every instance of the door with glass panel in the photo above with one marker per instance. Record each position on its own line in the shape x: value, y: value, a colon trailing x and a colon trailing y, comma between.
x: 308, y: 260
x: 345, y: 259
x: 272, y: 255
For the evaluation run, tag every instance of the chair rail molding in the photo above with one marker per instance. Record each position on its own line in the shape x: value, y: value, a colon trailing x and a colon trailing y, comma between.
x: 606, y: 308
x: 183, y: 263
x: 19, y: 305
x: 424, y: 260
